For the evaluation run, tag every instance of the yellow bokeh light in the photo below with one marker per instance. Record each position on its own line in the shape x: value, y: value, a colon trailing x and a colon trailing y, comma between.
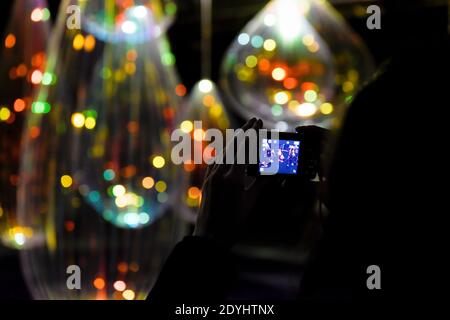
x: 148, y: 182
x: 310, y: 95
x: 326, y: 108
x: 293, y: 104
x: 5, y: 113
x: 129, y: 295
x: 78, y: 120
x: 121, y: 202
x: 128, y: 199
x: 119, y: 75
x: 278, y: 74
x: 90, y: 123
x: 19, y: 235
x: 89, y: 43
x: 66, y: 181
x: 270, y: 44
x: 161, y: 186
x: 159, y: 162
x: 281, y: 97
x: 306, y: 110
x: 130, y: 68
x: 78, y: 42
x: 119, y: 190
x: 348, y: 86
x: 308, y: 40
x: 251, y: 61
x: 314, y: 47
x: 216, y: 110
x: 187, y: 126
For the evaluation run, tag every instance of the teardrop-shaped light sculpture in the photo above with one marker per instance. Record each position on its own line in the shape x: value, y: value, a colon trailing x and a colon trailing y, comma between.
x: 169, y: 10
x: 21, y: 69
x: 204, y: 111
x: 96, y: 178
x: 95, y: 13
x: 296, y: 63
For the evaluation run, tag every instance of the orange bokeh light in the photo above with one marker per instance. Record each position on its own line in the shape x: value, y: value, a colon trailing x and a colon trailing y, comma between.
x: 290, y: 83
x: 10, y: 41
x: 99, y: 283
x: 21, y: 70
x: 264, y: 65
x: 194, y: 192
x: 180, y: 90
x: 189, y: 166
x: 19, y: 105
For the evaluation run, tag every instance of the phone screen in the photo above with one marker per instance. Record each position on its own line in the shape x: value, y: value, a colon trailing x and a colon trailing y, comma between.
x: 279, y: 156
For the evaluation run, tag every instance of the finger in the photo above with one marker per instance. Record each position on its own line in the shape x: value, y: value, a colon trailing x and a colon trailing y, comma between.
x: 238, y: 166
x: 224, y: 166
x: 244, y: 145
x: 249, y: 124
x: 209, y: 169
x: 258, y: 124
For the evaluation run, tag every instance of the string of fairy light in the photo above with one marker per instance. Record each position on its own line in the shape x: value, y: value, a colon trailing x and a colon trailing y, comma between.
x: 204, y: 105
x: 87, y: 120
x: 30, y: 70
x: 282, y: 67
x: 127, y: 201
x: 25, y: 72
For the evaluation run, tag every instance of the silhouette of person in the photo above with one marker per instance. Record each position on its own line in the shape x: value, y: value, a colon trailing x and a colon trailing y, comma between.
x: 378, y: 190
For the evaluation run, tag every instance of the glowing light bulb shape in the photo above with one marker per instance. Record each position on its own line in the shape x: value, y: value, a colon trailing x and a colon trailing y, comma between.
x: 169, y: 9
x: 204, y: 105
x: 127, y: 17
x: 21, y: 69
x: 96, y: 179
x: 296, y: 63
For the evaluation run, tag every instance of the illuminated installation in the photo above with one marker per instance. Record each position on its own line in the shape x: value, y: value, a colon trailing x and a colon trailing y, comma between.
x: 96, y: 176
x: 128, y: 12
x: 21, y: 69
x: 204, y: 105
x: 296, y: 63
x: 168, y: 10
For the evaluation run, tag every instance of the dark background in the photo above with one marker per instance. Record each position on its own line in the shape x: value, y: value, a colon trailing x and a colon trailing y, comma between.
x: 229, y: 18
